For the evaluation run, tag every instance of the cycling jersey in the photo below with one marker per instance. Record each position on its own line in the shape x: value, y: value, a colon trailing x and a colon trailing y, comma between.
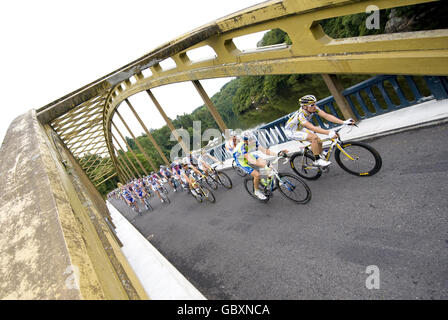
x: 127, y: 195
x: 166, y: 173
x: 138, y: 190
x: 240, y: 151
x: 176, y: 168
x: 295, y: 123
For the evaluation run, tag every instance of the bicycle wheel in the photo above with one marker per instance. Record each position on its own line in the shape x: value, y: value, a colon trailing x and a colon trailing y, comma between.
x: 211, y: 182
x: 208, y: 194
x: 224, y: 180
x: 238, y: 170
x: 165, y: 198
x: 358, y: 159
x: 249, y: 186
x: 294, y: 188
x: 149, y: 205
x: 302, y: 164
x: 198, y: 197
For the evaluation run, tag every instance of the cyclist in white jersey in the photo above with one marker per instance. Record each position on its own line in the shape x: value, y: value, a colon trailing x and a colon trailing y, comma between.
x: 155, y: 184
x: 203, y: 164
x: 299, y: 127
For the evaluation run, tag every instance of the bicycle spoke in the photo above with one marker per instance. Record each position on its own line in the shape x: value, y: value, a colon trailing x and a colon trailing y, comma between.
x: 294, y: 189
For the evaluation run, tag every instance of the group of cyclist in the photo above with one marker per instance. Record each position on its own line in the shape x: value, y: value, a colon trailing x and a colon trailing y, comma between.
x: 298, y: 127
x: 243, y: 150
x: 180, y: 175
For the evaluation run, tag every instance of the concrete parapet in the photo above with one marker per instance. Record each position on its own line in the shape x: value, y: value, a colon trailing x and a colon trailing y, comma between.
x: 56, y: 239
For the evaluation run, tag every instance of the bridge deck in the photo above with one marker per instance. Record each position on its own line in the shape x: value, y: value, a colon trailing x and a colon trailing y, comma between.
x: 238, y: 248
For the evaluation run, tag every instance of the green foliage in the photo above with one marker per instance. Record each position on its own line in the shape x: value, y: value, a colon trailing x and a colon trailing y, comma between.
x: 275, y: 36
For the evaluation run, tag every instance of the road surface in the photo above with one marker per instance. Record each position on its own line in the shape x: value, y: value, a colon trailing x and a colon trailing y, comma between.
x: 397, y: 220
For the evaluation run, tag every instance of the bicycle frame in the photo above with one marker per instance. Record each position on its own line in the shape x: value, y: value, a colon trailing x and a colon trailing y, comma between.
x: 274, y: 174
x: 334, y: 143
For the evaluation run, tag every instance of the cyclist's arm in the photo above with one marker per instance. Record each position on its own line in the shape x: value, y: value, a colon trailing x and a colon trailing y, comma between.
x: 204, y: 163
x: 266, y: 151
x: 213, y: 158
x: 330, y: 117
x: 312, y: 127
x: 186, y: 178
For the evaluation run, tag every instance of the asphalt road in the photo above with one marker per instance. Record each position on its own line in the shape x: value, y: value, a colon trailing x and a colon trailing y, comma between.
x: 397, y: 220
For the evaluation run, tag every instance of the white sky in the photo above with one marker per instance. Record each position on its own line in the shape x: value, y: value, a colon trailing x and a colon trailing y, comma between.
x: 50, y: 48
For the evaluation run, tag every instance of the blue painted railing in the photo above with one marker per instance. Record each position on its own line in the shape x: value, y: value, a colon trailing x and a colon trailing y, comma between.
x: 387, y: 85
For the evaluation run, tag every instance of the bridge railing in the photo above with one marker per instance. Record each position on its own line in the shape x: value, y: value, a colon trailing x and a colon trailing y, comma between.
x: 372, y: 97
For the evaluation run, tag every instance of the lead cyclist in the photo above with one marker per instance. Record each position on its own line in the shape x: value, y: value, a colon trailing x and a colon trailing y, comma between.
x: 300, y: 128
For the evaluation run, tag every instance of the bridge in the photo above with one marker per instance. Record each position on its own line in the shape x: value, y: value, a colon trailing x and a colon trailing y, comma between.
x: 59, y: 239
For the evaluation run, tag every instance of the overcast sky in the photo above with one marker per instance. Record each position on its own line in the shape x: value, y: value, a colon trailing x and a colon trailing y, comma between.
x: 50, y: 48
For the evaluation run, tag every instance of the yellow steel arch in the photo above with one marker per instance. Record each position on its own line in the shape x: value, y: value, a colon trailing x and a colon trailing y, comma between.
x: 311, y: 52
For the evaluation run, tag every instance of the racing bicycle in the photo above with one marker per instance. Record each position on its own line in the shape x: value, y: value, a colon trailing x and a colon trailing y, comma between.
x: 291, y: 187
x: 218, y: 178
x: 201, y: 191
x: 357, y: 158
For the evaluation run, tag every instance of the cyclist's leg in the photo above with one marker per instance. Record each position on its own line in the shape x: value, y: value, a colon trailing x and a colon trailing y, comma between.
x: 316, y: 143
x: 158, y: 193
x: 256, y: 176
x: 170, y: 182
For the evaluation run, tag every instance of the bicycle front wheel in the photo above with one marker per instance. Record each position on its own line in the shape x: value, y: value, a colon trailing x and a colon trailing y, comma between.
x: 358, y: 158
x: 165, y: 198
x: 224, y: 180
x: 302, y: 164
x: 197, y: 196
x: 294, y: 188
x: 208, y: 194
x: 211, y: 182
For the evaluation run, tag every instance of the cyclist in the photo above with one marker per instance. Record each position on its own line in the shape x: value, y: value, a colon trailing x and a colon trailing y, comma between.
x: 187, y: 179
x: 243, y: 154
x: 140, y: 192
x: 166, y: 173
x: 155, y: 184
x: 300, y: 128
x: 126, y: 194
x: 203, y: 165
x: 232, y: 142
x: 192, y: 163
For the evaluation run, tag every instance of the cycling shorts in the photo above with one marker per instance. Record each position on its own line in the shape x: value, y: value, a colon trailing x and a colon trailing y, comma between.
x: 299, y: 135
x: 245, y: 165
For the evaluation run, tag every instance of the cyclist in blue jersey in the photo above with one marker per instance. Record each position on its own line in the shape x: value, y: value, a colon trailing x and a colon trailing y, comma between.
x: 140, y: 192
x: 128, y: 197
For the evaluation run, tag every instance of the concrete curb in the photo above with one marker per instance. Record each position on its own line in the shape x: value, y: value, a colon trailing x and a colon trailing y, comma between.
x: 160, y: 279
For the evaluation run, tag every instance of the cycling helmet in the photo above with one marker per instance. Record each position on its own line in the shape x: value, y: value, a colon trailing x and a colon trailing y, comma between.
x: 307, y: 100
x: 248, y: 135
